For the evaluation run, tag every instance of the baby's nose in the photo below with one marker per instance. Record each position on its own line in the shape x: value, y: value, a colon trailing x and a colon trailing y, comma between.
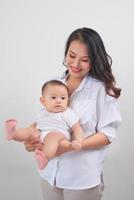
x: 58, y: 100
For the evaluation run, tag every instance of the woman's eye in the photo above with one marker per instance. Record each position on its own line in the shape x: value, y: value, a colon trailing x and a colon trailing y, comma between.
x: 85, y: 60
x: 71, y: 56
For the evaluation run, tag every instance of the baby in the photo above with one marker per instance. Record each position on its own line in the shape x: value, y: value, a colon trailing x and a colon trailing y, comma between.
x: 56, y: 122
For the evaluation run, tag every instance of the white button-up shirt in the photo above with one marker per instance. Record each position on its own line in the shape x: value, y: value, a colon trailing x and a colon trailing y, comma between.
x: 98, y: 112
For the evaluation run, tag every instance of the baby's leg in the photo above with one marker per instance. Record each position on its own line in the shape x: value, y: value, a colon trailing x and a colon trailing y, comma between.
x: 51, y: 142
x: 20, y: 135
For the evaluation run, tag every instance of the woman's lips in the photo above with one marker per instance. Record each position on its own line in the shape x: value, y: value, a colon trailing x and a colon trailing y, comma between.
x: 75, y: 69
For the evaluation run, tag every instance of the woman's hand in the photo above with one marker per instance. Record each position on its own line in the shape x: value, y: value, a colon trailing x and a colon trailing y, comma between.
x: 31, y: 145
x: 34, y: 142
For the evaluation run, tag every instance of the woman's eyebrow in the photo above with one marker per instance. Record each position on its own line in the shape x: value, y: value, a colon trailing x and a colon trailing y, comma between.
x: 72, y: 52
x: 76, y: 54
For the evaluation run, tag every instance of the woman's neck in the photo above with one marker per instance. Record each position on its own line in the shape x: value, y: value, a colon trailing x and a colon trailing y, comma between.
x: 73, y: 84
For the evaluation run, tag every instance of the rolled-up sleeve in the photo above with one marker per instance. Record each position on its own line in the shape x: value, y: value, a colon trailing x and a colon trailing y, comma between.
x: 109, y: 117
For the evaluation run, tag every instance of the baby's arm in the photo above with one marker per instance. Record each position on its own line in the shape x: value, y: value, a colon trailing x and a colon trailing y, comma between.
x: 77, y: 132
x: 77, y: 136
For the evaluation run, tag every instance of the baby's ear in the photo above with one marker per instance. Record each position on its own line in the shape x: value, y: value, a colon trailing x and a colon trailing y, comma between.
x: 42, y: 100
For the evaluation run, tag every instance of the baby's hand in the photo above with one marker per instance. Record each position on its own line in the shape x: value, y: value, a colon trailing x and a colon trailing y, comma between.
x: 76, y: 145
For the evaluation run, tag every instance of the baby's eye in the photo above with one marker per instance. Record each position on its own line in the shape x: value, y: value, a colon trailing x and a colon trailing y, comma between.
x: 62, y: 98
x: 53, y: 97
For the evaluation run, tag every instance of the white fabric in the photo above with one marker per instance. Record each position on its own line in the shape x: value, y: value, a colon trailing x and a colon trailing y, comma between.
x: 58, y: 122
x: 98, y: 112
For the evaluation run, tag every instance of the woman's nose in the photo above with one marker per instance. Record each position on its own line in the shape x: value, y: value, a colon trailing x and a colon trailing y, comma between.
x: 76, y: 63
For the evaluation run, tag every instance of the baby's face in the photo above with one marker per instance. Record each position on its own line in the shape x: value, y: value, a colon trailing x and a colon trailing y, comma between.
x: 55, y: 98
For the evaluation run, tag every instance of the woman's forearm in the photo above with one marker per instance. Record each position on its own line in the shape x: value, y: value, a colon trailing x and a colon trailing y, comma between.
x: 95, y: 141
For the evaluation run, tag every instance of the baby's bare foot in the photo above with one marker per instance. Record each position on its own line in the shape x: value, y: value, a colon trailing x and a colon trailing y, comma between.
x: 41, y: 159
x: 10, y: 126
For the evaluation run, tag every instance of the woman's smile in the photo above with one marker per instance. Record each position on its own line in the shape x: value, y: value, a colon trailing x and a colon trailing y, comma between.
x: 75, y: 69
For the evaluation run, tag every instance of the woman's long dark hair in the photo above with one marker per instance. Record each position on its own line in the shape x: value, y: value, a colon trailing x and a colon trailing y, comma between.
x: 100, y: 61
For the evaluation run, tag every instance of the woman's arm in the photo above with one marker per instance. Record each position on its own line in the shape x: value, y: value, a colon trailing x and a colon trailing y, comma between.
x: 95, y: 141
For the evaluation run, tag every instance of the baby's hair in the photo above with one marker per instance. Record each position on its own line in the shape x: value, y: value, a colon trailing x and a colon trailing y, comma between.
x: 53, y: 83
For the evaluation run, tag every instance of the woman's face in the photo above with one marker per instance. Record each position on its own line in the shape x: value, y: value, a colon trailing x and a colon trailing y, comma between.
x: 77, y: 59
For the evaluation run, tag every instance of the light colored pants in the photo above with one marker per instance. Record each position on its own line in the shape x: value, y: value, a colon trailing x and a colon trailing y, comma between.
x: 54, y: 193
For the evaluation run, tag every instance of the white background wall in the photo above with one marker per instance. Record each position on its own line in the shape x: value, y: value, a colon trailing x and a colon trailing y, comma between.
x: 32, y: 39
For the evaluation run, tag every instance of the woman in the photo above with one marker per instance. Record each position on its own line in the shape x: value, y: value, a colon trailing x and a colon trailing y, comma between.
x: 76, y: 175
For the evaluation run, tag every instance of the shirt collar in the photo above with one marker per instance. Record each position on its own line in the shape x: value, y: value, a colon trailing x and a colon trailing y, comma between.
x: 82, y: 84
